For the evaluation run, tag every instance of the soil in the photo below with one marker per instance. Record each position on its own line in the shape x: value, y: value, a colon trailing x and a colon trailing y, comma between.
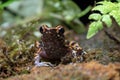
x: 102, y: 62
x: 77, y: 71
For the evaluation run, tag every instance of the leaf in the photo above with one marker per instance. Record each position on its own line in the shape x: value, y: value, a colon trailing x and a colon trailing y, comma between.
x: 100, y: 8
x: 94, y: 28
x: 107, y: 20
x: 105, y: 7
x: 95, y: 16
x: 116, y: 15
x: 6, y: 4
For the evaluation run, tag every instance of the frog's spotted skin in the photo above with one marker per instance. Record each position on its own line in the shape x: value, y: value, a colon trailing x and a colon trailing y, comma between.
x: 53, y: 47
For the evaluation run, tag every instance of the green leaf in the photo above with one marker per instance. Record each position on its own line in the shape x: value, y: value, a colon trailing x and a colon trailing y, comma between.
x: 100, y: 8
x: 95, y: 16
x: 107, y: 20
x: 6, y: 4
x: 94, y: 28
x: 116, y: 15
x: 105, y: 7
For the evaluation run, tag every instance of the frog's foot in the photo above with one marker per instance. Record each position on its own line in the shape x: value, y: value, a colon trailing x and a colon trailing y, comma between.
x: 40, y: 64
x: 84, y: 52
x: 78, y: 55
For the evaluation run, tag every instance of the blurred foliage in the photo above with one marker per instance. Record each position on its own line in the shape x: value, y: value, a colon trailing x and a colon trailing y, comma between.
x: 2, y: 5
x: 54, y: 12
x: 66, y: 11
x: 107, y: 10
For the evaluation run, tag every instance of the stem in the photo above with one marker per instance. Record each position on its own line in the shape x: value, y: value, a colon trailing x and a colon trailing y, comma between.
x: 112, y: 36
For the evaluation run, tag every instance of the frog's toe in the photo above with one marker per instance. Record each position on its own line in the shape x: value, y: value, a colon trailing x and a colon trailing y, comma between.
x: 41, y: 64
x: 44, y: 64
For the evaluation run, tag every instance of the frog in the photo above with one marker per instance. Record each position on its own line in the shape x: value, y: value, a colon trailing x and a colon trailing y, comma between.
x: 53, y: 48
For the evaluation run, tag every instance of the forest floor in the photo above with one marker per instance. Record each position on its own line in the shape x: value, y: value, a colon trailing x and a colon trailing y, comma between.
x: 101, y: 63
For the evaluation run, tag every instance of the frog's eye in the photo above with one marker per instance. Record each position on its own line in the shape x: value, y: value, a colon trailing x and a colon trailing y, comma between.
x: 60, y: 29
x: 43, y: 28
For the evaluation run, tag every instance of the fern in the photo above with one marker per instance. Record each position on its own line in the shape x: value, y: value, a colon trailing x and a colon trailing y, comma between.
x: 107, y: 10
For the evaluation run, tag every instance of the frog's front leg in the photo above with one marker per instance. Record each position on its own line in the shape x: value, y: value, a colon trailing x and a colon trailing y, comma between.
x: 37, y: 58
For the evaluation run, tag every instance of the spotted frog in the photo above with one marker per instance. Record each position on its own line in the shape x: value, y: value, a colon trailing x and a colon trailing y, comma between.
x: 54, y: 49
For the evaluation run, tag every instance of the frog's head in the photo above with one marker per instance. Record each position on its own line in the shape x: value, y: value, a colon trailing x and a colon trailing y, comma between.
x: 52, y: 34
x: 44, y: 29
